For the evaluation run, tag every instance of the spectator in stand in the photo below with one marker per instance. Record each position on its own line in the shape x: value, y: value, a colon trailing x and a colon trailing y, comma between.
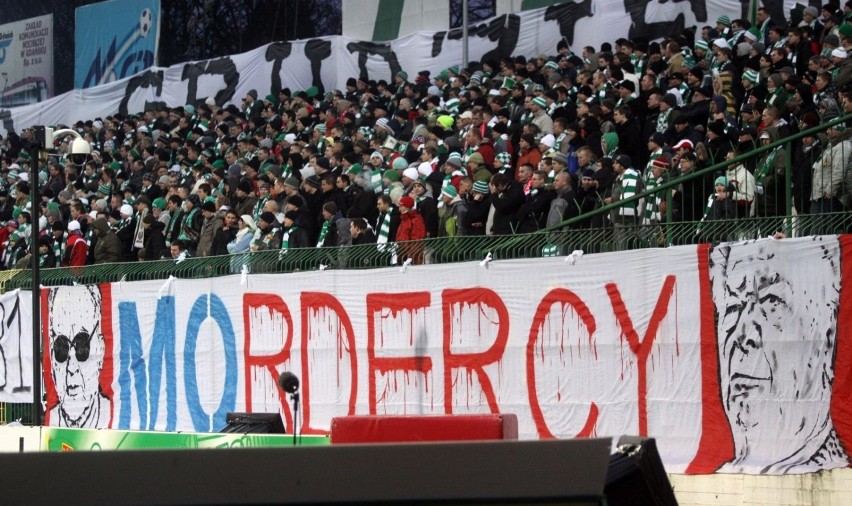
x: 411, y: 231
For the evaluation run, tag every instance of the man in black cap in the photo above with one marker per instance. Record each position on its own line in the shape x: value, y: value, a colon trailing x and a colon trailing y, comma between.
x: 268, y: 235
x: 210, y: 226
x: 246, y: 199
x: 626, y: 91
x: 251, y: 108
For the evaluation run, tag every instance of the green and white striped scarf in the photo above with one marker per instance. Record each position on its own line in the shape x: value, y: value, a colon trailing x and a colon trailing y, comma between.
x: 285, y: 239
x: 324, y: 232
x: 384, y: 228
x: 59, y: 245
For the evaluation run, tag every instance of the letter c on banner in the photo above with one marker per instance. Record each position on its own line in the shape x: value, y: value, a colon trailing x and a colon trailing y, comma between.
x: 209, y: 306
x: 568, y: 298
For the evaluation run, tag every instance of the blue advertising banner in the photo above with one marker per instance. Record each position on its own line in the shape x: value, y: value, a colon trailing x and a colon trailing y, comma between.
x: 114, y: 40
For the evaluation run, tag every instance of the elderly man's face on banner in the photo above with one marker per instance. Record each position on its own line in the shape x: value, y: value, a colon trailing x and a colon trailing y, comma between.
x: 76, y: 347
x: 776, y: 329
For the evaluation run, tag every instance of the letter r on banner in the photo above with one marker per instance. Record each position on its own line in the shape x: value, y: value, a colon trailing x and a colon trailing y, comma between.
x: 455, y: 304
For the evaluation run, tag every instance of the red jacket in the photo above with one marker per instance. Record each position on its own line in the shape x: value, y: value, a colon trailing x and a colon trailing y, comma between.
x: 79, y: 250
x: 412, y: 228
x: 486, y: 149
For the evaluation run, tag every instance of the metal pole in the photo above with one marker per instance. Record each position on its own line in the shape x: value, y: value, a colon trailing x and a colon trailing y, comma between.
x: 36, y: 292
x: 788, y: 187
x: 464, y: 33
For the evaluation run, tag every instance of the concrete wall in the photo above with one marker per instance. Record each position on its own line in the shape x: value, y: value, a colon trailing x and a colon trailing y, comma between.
x: 828, y: 488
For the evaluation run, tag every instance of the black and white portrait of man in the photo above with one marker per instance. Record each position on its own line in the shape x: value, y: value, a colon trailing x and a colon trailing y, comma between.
x: 776, y: 321
x: 77, y: 350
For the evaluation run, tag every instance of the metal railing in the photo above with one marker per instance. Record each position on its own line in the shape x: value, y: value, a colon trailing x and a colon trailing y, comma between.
x: 557, y: 240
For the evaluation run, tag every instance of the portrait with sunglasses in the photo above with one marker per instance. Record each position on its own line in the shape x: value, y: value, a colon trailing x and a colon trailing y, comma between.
x: 77, y: 348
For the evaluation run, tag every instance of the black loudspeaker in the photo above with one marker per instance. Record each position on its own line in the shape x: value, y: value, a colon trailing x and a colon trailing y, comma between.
x: 636, y: 475
x: 254, y: 423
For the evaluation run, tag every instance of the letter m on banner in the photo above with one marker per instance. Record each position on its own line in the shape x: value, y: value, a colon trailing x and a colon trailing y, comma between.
x: 140, y: 380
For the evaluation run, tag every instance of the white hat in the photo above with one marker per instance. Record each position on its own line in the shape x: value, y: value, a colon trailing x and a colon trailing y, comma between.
x: 721, y: 43
x: 494, y: 92
x: 548, y: 140
x: 424, y: 169
x: 93, y: 215
x: 411, y: 173
x: 25, y: 176
x: 210, y: 101
x: 838, y: 53
x: 126, y: 209
x: 290, y: 138
x: 434, y: 91
x: 14, y: 166
x: 73, y: 225
x: 248, y: 220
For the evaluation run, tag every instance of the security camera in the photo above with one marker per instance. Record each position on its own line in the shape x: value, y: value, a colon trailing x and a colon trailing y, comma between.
x: 80, y: 150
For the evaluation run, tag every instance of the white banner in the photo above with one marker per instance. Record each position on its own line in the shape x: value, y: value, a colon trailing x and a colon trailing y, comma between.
x: 26, y: 61
x: 329, y: 61
x: 620, y: 343
x: 16, y: 347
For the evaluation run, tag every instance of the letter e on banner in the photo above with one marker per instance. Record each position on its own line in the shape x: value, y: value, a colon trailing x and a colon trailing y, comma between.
x: 392, y: 320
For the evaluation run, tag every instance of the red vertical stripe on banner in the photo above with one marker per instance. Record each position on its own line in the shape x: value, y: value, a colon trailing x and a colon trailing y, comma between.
x: 841, y: 393
x: 107, y: 372
x: 46, y: 370
x: 717, y: 443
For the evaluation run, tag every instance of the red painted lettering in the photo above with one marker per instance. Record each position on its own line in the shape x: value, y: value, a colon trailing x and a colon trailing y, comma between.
x: 565, y: 298
x: 323, y: 306
x: 641, y: 349
x: 273, y: 311
x: 395, y: 303
x: 477, y: 300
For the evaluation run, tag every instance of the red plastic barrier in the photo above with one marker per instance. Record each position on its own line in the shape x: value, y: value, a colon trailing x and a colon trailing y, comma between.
x: 406, y: 429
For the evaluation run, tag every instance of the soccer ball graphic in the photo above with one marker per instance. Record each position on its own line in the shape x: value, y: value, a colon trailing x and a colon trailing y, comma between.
x: 146, y: 19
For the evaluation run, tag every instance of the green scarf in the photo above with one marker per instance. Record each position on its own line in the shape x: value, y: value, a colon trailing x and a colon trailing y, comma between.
x: 324, y: 232
x: 285, y: 239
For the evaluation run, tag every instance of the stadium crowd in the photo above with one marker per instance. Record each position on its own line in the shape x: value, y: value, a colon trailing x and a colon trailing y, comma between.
x: 499, y: 147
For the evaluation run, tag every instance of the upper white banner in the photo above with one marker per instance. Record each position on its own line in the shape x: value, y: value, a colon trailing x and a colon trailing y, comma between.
x: 329, y: 61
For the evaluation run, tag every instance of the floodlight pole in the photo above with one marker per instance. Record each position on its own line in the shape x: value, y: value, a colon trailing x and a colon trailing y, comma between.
x: 35, y: 149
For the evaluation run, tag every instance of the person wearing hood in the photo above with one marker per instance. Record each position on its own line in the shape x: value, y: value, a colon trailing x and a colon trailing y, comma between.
x: 244, y: 236
x: 108, y: 246
x: 609, y: 144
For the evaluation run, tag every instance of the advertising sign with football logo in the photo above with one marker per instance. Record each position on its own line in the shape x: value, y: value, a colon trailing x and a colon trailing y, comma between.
x: 114, y: 40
